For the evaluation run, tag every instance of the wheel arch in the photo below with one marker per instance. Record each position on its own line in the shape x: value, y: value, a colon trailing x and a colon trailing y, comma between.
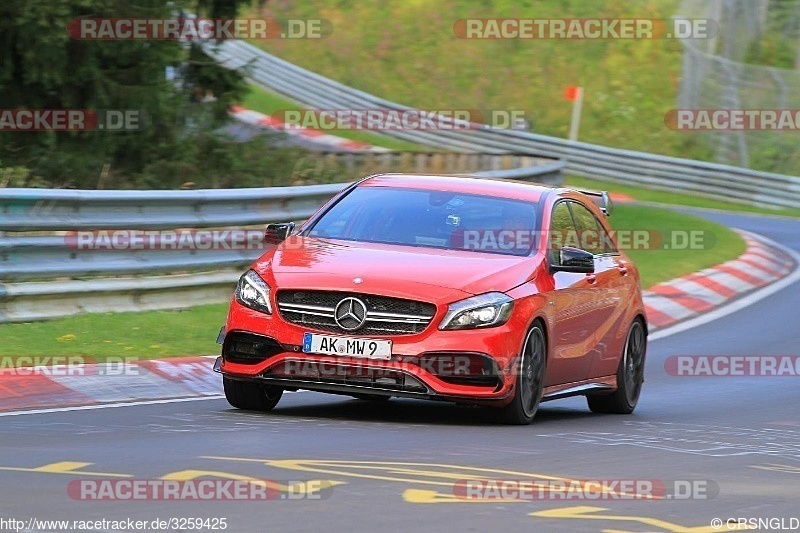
x: 542, y: 321
x: 640, y: 316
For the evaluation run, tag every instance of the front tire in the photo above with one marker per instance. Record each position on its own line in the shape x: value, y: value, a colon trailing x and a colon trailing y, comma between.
x: 630, y: 376
x: 251, y: 396
x: 529, y: 381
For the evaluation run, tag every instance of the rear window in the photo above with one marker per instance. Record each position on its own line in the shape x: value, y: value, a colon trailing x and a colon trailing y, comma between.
x: 432, y: 219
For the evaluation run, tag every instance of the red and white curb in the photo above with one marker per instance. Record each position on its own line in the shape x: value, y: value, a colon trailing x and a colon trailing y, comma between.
x: 691, y: 295
x: 687, y: 299
x: 102, y: 383
x: 260, y: 120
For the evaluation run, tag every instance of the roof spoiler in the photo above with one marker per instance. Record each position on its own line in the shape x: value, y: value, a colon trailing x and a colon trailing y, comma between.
x: 602, y: 199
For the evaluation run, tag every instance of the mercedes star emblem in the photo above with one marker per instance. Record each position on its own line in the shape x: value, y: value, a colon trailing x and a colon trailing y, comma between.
x: 350, y: 313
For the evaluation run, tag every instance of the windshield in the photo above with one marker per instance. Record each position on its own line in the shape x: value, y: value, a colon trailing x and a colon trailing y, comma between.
x: 433, y: 219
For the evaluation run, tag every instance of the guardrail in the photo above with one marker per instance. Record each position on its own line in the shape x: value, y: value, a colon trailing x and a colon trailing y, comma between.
x: 39, y: 239
x: 725, y: 182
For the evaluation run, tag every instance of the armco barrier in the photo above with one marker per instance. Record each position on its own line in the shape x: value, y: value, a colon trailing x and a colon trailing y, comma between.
x: 730, y: 183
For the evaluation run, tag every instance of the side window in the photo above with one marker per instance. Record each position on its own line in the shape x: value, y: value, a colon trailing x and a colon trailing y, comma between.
x: 562, y: 230
x: 608, y: 245
x: 562, y: 219
x: 591, y: 234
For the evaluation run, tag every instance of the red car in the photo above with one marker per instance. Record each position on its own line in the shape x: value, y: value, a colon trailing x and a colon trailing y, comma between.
x: 461, y: 289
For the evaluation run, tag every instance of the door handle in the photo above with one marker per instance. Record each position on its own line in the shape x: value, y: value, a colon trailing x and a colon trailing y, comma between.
x: 591, y: 278
x: 623, y: 269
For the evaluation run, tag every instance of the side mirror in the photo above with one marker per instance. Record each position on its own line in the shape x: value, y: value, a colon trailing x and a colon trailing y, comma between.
x: 277, y: 233
x: 574, y: 260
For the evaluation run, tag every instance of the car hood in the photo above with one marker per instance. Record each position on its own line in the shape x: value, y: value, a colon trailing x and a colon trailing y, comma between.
x: 403, y: 271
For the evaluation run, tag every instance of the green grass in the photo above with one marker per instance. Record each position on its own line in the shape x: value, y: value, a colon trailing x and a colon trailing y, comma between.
x: 644, y: 194
x: 193, y: 331
x: 406, y: 51
x: 148, y: 335
x: 268, y: 103
x: 661, y: 265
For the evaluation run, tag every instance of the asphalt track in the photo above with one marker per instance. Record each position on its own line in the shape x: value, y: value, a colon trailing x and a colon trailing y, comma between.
x: 739, y: 438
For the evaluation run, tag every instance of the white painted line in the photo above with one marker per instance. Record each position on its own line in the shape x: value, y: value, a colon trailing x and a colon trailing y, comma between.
x: 121, y: 404
x: 739, y: 304
x: 109, y: 405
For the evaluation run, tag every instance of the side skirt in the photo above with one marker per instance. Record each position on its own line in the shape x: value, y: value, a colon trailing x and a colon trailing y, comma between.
x: 598, y: 385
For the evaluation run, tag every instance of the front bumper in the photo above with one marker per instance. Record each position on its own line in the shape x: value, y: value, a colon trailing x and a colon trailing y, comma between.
x: 416, y: 368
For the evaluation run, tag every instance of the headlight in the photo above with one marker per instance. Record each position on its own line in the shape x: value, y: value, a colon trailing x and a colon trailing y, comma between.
x: 253, y: 292
x: 483, y: 311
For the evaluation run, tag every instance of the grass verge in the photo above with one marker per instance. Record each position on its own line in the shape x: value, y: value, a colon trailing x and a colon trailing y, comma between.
x: 644, y: 194
x: 148, y: 335
x: 408, y: 52
x: 160, y: 334
x: 661, y: 265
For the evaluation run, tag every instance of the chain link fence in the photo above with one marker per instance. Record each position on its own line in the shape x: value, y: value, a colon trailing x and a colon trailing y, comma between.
x: 752, y: 63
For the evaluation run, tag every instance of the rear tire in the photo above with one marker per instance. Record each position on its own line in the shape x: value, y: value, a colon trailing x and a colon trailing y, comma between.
x: 630, y: 376
x: 251, y: 396
x: 529, y: 380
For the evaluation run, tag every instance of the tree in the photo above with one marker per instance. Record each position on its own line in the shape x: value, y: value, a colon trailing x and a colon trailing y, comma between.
x: 42, y: 67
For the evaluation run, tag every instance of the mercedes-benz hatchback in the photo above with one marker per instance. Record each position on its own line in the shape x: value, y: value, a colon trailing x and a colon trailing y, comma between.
x: 480, y: 291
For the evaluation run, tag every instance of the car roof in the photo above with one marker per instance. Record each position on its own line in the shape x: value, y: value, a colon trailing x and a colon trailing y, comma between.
x: 517, y: 190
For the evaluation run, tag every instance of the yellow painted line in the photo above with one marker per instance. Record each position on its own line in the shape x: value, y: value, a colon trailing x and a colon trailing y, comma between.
x: 64, y: 467
x: 303, y: 487
x: 326, y: 467
x: 431, y: 496
x: 585, y: 512
x: 405, y: 472
x: 789, y: 469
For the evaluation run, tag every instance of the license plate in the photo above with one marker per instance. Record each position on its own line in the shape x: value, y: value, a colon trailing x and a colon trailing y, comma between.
x: 347, y: 346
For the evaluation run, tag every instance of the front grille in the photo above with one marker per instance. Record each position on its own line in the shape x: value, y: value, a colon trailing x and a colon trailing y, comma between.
x: 385, y: 315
